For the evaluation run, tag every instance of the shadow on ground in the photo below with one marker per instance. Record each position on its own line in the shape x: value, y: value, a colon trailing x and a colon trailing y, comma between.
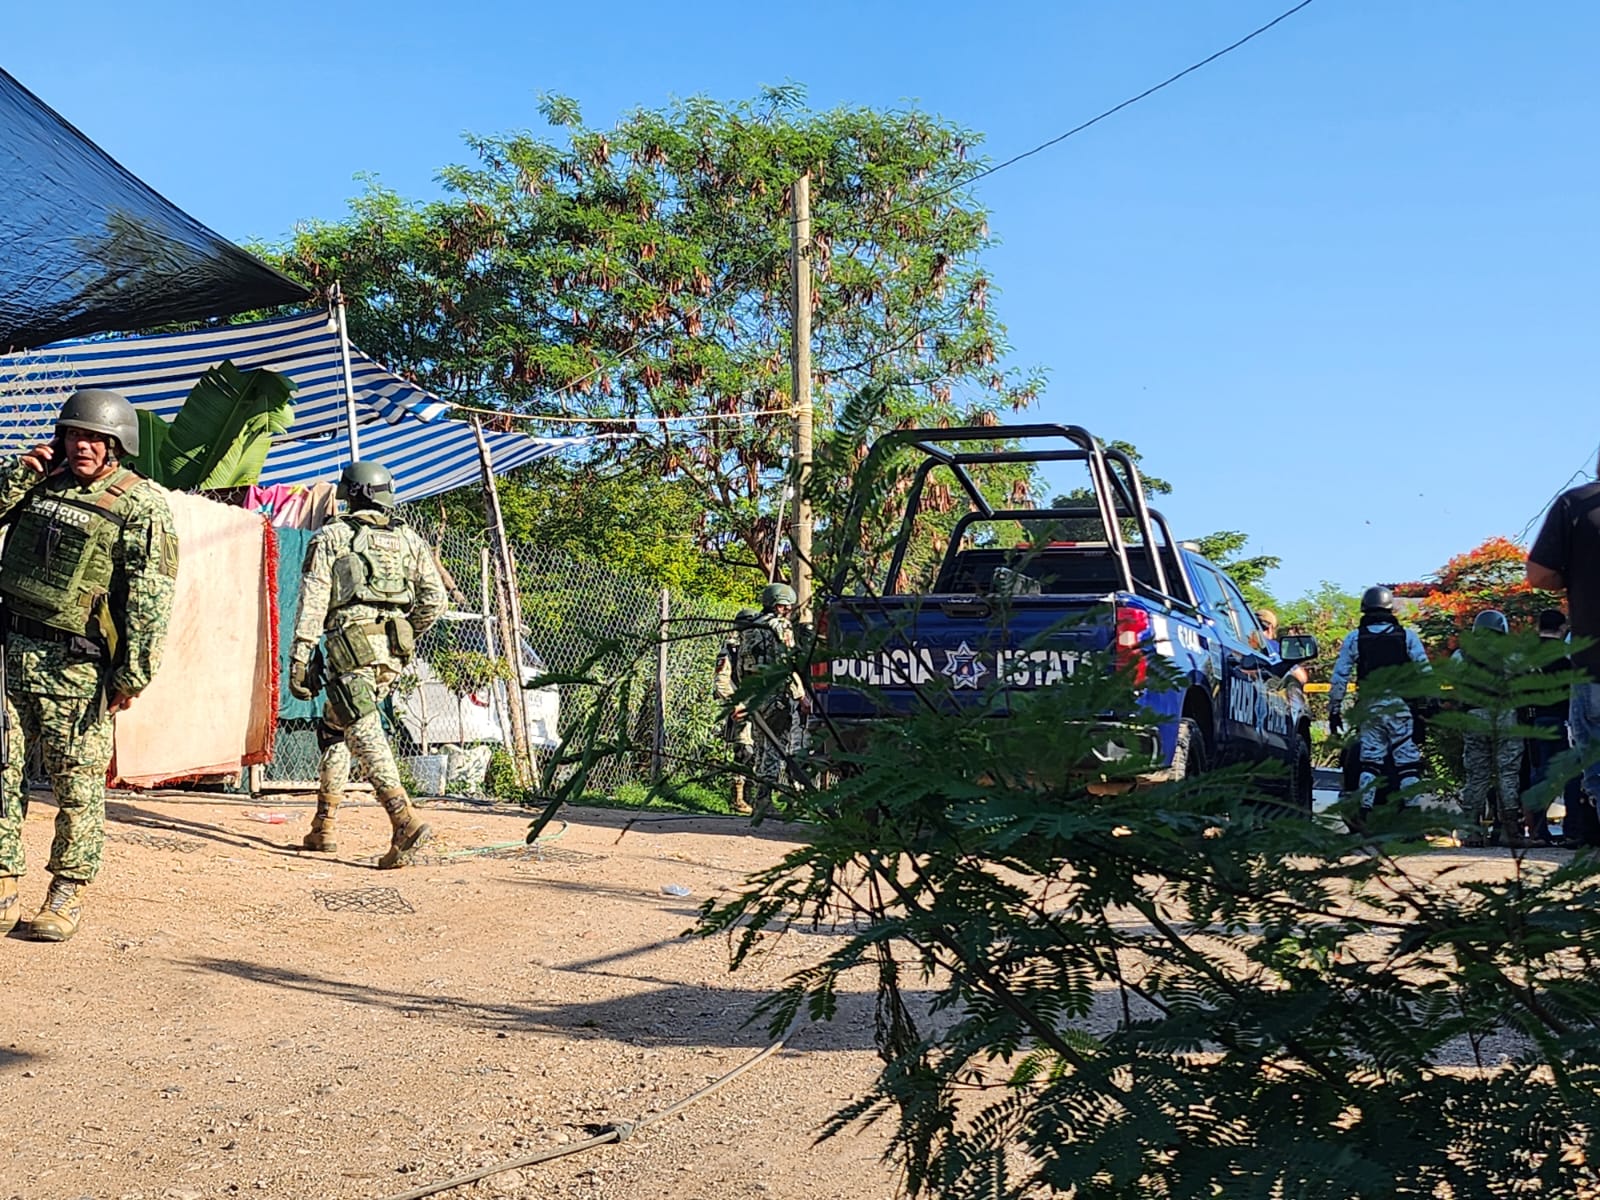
x: 668, y: 1014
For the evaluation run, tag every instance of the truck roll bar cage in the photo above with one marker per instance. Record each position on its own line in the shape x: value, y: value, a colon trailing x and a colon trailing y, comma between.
x: 1118, y: 494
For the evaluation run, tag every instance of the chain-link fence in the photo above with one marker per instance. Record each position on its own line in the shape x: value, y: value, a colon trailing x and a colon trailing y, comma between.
x: 647, y: 700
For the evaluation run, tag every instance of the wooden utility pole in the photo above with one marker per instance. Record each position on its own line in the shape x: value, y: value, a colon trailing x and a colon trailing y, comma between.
x: 800, y: 262
x: 510, y: 604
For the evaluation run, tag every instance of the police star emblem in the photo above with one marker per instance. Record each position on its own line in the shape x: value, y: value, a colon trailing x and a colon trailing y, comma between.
x: 963, y: 667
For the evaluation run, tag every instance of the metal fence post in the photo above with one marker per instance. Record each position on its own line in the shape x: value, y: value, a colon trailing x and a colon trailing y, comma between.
x: 659, y: 749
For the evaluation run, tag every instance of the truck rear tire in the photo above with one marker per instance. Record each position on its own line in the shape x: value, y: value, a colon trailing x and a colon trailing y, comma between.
x: 1189, y: 756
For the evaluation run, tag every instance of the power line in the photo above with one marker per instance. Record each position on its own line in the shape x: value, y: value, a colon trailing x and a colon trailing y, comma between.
x: 1095, y: 120
x: 731, y: 283
x: 1583, y: 470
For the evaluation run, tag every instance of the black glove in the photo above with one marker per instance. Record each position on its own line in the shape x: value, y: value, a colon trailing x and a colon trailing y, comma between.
x: 299, y: 688
x: 1335, y: 721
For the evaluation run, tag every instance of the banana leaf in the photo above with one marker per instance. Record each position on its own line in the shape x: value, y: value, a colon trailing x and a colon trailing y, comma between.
x: 221, y: 435
x: 153, y: 435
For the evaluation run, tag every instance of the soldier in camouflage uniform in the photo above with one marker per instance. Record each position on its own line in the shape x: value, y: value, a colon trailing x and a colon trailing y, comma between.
x: 736, y: 730
x: 1491, y: 758
x: 768, y: 640
x: 87, y: 576
x: 370, y: 589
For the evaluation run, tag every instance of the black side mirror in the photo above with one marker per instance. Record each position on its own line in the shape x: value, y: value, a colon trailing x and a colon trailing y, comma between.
x: 1298, y: 648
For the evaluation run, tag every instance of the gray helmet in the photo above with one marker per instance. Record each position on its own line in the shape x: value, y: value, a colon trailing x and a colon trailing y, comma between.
x: 367, y: 485
x: 1377, y: 599
x: 102, y: 411
x: 775, y: 594
x: 1491, y: 621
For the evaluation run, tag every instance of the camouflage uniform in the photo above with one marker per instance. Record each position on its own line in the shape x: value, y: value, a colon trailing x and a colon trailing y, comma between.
x: 350, y: 720
x: 769, y: 640
x: 1492, y: 760
x: 56, y: 697
x: 736, y: 729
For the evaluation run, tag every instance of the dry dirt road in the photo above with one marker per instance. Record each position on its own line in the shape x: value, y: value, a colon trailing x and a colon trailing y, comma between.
x: 238, y: 1018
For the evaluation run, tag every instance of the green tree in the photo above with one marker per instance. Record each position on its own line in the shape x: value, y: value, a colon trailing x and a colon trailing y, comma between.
x: 618, y: 513
x: 640, y: 272
x: 1225, y: 549
x: 1327, y: 613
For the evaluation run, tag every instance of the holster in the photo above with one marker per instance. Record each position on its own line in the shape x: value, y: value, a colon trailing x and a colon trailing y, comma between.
x: 349, y: 649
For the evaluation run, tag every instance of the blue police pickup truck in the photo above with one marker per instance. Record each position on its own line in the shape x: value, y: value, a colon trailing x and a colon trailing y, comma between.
x: 1100, y: 581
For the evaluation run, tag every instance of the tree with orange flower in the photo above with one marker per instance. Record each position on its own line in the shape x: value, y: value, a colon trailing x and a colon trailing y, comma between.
x: 1490, y: 575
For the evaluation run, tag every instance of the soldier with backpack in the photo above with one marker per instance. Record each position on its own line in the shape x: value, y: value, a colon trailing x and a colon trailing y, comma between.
x: 369, y: 590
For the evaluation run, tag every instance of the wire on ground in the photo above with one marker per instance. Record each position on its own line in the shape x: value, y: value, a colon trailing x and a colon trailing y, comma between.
x: 620, y: 1132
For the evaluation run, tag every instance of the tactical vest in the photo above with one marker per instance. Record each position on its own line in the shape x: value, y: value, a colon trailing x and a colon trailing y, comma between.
x: 57, y: 564
x: 1374, y: 651
x: 375, y: 570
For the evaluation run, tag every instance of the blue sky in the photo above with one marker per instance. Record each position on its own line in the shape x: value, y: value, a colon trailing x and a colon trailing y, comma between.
x: 1339, y: 287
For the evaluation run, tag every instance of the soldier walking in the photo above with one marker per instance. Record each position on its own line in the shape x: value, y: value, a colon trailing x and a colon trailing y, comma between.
x: 766, y: 642
x: 370, y: 589
x: 1386, y: 734
x: 736, y: 729
x: 87, y: 577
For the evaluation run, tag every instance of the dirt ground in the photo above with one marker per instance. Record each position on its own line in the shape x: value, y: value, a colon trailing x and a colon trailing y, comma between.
x: 238, y: 1018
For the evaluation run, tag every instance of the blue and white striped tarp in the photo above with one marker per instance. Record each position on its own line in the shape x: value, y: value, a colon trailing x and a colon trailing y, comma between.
x: 399, y: 423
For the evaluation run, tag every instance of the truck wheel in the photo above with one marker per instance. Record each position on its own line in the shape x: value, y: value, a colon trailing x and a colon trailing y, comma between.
x: 1301, y: 779
x: 1189, y: 756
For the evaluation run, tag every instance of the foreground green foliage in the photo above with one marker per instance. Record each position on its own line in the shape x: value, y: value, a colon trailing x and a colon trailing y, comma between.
x: 1180, y: 992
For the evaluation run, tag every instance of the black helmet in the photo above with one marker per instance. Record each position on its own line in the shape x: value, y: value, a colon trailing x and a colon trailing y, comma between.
x: 367, y: 485
x: 1377, y: 599
x: 1491, y: 621
x: 102, y: 411
x: 775, y: 594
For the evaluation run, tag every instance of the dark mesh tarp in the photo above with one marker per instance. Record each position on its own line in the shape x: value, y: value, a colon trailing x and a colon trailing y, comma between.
x: 85, y: 247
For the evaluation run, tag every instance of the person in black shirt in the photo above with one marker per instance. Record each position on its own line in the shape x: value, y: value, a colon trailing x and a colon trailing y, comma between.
x: 1566, y: 557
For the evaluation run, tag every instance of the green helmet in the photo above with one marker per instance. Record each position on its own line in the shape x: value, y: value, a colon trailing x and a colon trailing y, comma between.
x: 102, y: 411
x: 367, y: 485
x: 775, y: 594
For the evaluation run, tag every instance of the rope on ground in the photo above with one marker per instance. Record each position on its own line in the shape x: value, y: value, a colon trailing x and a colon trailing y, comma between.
x: 620, y: 1132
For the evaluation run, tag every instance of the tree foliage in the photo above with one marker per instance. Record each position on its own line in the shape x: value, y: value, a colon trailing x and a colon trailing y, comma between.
x: 620, y: 514
x: 1490, y: 575
x: 638, y: 272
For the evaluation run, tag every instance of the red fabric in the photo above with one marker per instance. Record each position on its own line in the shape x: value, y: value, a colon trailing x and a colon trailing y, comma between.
x: 264, y: 714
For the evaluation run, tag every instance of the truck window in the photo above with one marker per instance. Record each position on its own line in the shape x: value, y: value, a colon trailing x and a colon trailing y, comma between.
x: 1216, y: 598
x: 1249, y: 627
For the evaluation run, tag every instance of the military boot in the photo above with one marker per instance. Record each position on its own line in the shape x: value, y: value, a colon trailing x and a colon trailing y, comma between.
x: 63, y: 909
x: 321, y: 835
x: 408, y: 829
x: 10, y: 904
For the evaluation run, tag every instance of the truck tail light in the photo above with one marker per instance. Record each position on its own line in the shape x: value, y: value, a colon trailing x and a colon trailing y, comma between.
x: 821, y: 667
x: 1133, y: 626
